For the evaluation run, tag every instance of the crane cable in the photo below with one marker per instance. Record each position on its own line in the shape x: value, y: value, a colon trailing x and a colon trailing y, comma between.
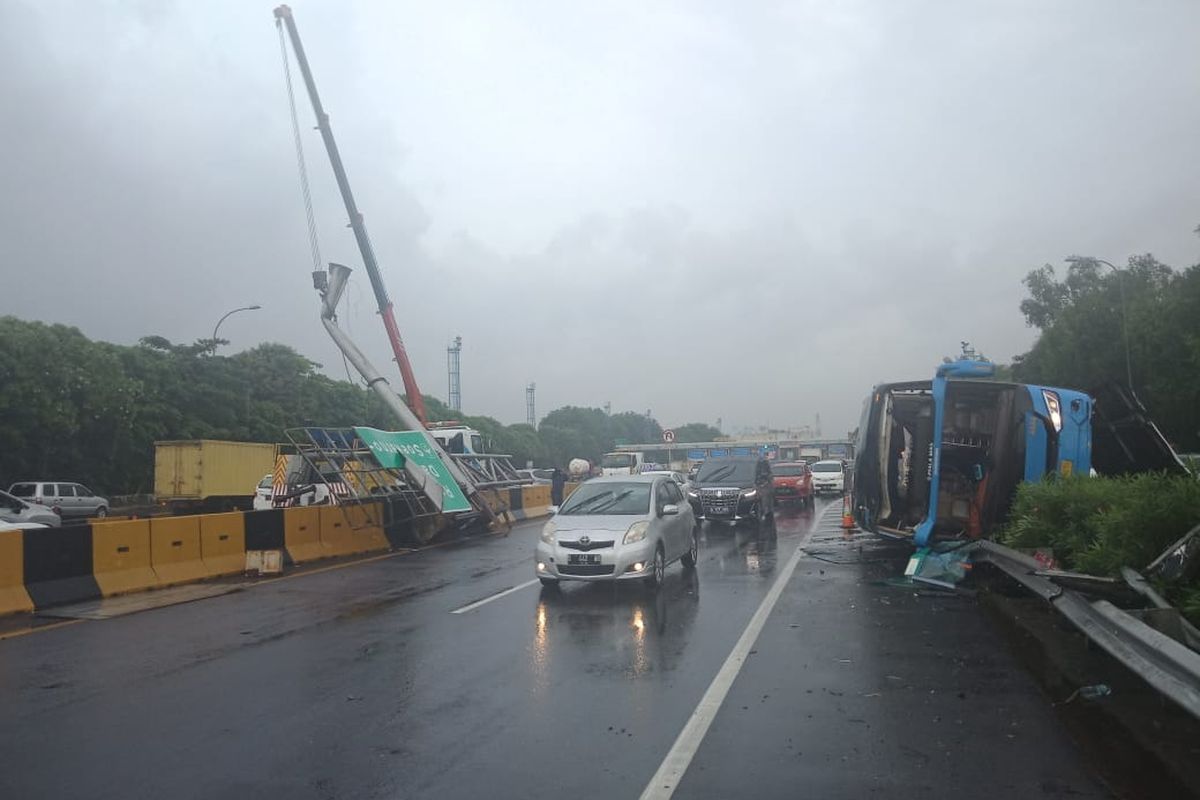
x: 313, y: 242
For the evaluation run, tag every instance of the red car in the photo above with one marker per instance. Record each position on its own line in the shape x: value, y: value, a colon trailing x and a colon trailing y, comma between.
x: 793, y: 483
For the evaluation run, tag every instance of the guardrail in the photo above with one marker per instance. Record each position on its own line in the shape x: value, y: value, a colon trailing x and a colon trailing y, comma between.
x: 1169, y: 666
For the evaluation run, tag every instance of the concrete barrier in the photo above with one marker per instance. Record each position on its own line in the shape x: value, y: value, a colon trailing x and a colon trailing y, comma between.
x: 121, y: 557
x: 516, y: 502
x: 302, y: 533
x: 535, y: 500
x: 58, y: 565
x: 264, y: 529
x: 352, y: 529
x: 497, y: 499
x: 175, y: 550
x: 13, y: 597
x: 223, y: 543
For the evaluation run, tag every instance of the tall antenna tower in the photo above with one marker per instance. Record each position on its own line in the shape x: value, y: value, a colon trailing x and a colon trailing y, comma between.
x: 452, y: 365
x: 607, y: 408
x: 530, y: 410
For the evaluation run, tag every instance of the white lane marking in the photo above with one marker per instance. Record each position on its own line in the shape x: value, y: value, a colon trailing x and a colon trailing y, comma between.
x: 496, y: 596
x: 670, y: 772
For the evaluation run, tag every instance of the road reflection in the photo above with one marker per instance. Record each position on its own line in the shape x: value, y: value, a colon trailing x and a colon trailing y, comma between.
x: 790, y: 520
x: 624, y: 627
x: 742, y: 549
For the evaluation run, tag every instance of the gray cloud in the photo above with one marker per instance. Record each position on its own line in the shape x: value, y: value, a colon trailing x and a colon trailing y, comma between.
x: 753, y: 213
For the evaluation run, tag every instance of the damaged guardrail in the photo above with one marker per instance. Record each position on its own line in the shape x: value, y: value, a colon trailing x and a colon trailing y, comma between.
x: 1165, y: 663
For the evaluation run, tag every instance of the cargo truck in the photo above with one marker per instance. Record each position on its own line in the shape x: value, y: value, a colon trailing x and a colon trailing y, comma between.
x: 202, y: 475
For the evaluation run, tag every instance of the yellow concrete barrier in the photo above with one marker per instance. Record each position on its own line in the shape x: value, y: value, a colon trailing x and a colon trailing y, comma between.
x: 223, y: 543
x: 13, y: 597
x: 352, y: 529
x: 535, y: 500
x: 497, y: 499
x: 175, y: 550
x: 121, y: 557
x: 302, y: 533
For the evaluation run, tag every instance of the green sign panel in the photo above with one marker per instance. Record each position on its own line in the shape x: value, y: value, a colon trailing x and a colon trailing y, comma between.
x: 408, y: 449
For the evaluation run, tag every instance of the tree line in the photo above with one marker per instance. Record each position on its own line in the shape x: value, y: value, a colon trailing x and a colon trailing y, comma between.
x: 1088, y: 315
x: 85, y: 410
x: 90, y: 411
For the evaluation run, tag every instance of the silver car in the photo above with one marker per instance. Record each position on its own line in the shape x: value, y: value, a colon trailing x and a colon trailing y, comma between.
x: 619, y: 527
x: 14, y: 509
x: 70, y: 500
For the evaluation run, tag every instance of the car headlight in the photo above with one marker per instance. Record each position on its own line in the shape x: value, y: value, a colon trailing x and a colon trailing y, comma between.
x: 548, y: 532
x: 636, y: 532
x: 692, y: 493
x: 1053, y: 407
x: 749, y: 493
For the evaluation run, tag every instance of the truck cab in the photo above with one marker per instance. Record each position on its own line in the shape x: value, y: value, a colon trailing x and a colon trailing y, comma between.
x: 621, y: 464
x: 456, y: 438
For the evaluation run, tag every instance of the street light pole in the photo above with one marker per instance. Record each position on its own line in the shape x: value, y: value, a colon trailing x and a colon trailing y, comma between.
x: 222, y: 319
x: 1124, y: 308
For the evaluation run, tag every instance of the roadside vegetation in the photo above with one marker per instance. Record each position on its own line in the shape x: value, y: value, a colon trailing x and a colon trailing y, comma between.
x: 1098, y: 525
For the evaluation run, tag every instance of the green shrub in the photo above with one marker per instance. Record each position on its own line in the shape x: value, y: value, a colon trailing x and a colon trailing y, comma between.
x: 1098, y: 525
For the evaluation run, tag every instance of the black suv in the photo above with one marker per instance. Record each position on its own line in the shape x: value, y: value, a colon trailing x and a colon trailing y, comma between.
x: 733, y: 489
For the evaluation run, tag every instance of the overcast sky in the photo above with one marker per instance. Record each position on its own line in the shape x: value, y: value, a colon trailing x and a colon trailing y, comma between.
x: 752, y: 211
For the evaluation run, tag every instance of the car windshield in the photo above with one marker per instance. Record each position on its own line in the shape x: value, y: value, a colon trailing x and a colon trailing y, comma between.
x: 266, y: 482
x: 827, y: 466
x: 23, y: 489
x: 617, y: 460
x: 728, y: 471
x: 788, y: 471
x: 608, y: 498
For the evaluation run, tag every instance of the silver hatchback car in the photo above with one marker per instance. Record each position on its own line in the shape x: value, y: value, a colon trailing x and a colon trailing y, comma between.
x: 20, y: 512
x: 619, y: 527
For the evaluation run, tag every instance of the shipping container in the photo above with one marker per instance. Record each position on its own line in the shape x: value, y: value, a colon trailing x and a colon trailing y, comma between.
x: 206, y: 474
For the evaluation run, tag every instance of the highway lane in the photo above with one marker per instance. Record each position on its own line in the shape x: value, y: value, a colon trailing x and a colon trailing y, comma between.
x: 362, y: 682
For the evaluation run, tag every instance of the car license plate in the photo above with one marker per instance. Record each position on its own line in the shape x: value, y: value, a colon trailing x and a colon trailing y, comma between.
x: 583, y: 559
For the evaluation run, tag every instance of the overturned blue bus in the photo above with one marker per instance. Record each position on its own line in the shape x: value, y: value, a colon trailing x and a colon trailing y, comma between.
x: 942, y: 459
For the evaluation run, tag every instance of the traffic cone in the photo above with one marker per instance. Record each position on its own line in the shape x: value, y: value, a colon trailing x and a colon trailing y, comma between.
x: 847, y: 517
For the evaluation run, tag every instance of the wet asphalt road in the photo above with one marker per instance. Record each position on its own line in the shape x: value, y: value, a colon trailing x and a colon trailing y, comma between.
x: 360, y: 682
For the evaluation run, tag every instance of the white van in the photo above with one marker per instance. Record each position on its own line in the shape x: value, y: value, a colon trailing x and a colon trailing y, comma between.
x: 828, y: 477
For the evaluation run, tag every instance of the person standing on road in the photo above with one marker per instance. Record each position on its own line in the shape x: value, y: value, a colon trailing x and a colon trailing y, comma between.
x: 558, y: 481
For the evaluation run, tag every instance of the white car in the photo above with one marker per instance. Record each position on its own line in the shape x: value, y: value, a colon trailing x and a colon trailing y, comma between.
x: 678, y: 477
x: 307, y: 495
x: 262, y: 493
x: 828, y: 477
x: 618, y: 527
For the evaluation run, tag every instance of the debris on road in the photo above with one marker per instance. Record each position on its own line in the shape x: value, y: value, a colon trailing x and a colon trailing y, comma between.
x: 942, y: 568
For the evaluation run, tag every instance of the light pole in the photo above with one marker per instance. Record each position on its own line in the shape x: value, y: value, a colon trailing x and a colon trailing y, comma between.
x: 222, y: 319
x: 1124, y: 307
